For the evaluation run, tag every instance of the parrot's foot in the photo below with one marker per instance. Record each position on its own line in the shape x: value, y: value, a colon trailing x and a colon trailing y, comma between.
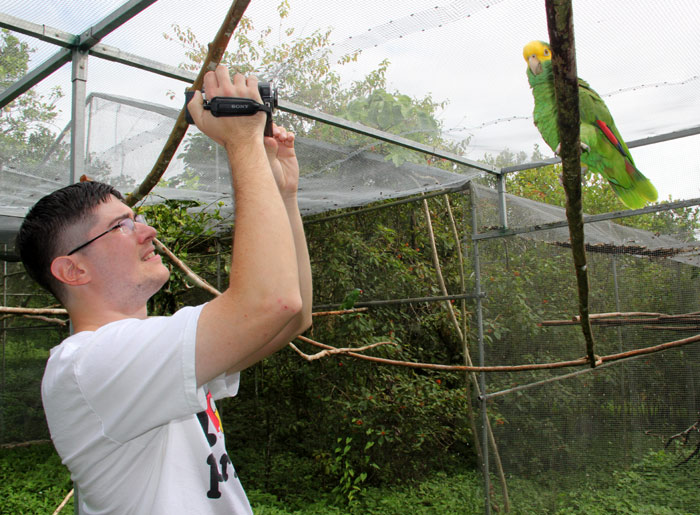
x: 584, y: 148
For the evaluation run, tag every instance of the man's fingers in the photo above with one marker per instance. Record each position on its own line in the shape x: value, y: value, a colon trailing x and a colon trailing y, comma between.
x: 210, y: 82
x: 222, y: 76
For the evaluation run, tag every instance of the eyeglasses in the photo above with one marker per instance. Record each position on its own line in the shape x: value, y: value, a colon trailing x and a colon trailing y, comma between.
x: 126, y: 226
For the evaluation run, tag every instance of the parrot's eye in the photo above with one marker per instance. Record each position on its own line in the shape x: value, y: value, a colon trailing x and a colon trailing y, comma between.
x: 546, y: 52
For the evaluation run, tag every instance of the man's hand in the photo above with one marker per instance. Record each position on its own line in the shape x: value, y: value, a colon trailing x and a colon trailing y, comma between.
x: 233, y: 132
x: 283, y: 161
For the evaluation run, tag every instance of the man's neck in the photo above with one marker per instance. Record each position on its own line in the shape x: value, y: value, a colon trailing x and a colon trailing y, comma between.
x: 92, y: 319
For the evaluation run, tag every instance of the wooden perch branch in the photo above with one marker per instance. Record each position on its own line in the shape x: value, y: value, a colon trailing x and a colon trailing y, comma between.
x: 33, y: 311
x: 329, y: 352
x: 561, y: 38
x: 512, y: 368
x: 212, y: 59
x: 616, y: 319
x: 338, y: 312
x: 356, y: 352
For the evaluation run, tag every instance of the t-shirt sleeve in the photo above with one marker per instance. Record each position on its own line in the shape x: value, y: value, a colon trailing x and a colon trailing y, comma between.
x: 140, y: 374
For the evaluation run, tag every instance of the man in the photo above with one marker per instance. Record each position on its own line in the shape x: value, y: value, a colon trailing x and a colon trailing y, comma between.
x: 130, y: 399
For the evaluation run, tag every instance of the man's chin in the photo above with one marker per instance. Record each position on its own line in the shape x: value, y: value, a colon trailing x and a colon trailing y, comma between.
x: 158, y: 282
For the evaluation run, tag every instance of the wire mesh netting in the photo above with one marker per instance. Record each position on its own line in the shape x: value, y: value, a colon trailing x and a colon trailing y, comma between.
x: 462, y: 62
x: 587, y: 420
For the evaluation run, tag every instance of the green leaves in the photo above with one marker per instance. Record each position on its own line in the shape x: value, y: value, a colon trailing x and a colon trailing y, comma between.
x: 25, y: 133
x: 188, y: 229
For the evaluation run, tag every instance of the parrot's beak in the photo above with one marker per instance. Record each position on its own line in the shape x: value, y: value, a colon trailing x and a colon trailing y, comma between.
x: 534, y: 64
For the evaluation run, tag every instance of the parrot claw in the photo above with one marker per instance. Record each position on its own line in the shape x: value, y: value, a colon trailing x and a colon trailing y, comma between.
x: 584, y: 148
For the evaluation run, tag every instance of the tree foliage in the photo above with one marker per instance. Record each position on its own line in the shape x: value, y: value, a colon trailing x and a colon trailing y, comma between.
x: 305, y: 73
x: 25, y: 123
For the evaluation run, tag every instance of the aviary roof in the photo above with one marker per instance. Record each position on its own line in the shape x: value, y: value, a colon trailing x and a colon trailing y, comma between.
x: 641, y: 56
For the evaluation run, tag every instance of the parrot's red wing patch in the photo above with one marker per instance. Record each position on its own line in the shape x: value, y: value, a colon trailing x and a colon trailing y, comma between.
x: 608, y: 133
x: 611, y: 137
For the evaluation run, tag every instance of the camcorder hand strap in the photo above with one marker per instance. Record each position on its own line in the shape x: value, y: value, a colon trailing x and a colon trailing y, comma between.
x: 228, y: 106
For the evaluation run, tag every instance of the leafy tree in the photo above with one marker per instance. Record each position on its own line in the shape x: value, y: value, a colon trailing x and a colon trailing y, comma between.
x: 304, y: 70
x: 25, y: 123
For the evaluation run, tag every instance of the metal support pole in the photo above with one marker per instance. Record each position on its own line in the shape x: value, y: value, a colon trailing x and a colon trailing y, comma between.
x: 4, y: 339
x: 77, y: 133
x: 502, y: 212
x: 77, y: 149
x: 482, y: 376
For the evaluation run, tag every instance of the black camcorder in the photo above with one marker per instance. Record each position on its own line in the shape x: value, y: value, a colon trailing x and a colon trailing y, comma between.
x: 234, y: 106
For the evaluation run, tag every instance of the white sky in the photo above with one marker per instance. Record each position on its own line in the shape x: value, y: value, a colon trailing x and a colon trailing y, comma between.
x: 468, y: 54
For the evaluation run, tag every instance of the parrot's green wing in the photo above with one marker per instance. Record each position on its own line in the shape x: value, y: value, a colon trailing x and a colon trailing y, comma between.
x: 608, y: 154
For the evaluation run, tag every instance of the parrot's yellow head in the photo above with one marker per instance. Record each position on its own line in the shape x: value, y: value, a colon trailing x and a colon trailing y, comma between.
x: 535, y: 52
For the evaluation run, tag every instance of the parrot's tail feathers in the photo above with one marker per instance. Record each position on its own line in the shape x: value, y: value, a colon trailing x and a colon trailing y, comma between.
x: 641, y: 184
x: 639, y: 194
x: 647, y: 190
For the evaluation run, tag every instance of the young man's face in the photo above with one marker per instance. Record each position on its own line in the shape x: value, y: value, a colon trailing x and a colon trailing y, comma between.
x: 123, y: 263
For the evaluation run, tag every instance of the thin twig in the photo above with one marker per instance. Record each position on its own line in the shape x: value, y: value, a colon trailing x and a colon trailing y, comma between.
x: 338, y: 312
x: 196, y: 279
x: 64, y: 502
x: 329, y: 352
x: 685, y: 436
x: 58, y: 321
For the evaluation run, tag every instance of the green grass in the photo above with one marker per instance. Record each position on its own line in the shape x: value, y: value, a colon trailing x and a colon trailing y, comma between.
x: 33, y: 481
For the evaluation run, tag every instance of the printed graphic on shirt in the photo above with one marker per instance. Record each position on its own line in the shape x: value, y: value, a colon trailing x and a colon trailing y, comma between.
x: 213, y: 430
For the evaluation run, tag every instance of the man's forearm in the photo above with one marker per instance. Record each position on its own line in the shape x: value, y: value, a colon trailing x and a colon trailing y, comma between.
x: 303, y: 261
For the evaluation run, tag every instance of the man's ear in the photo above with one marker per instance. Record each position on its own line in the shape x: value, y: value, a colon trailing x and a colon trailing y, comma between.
x: 69, y: 271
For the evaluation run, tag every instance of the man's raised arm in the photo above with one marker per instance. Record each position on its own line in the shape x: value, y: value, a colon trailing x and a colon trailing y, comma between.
x: 264, y: 293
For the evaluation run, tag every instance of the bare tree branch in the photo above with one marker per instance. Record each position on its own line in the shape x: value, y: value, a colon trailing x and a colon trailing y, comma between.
x: 197, y: 280
x: 561, y: 38
x: 212, y: 59
x: 330, y: 352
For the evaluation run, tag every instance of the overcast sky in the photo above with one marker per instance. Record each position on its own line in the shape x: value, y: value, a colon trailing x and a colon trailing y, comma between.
x: 640, y: 55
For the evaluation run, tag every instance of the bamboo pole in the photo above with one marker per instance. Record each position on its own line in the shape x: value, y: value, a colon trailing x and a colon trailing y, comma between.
x: 468, y: 361
x: 212, y: 59
x: 467, y: 357
x: 64, y: 502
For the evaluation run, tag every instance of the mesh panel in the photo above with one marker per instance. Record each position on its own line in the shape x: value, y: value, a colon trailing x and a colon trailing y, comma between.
x: 333, y: 176
x: 614, y: 414
x: 604, y: 236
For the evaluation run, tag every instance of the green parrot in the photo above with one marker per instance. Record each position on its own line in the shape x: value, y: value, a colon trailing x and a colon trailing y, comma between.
x: 350, y: 299
x: 603, y: 149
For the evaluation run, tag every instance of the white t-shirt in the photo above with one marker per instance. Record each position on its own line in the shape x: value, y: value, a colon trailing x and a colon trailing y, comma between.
x: 129, y: 422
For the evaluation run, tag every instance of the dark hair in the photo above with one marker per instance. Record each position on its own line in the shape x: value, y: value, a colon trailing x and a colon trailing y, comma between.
x: 40, y: 237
